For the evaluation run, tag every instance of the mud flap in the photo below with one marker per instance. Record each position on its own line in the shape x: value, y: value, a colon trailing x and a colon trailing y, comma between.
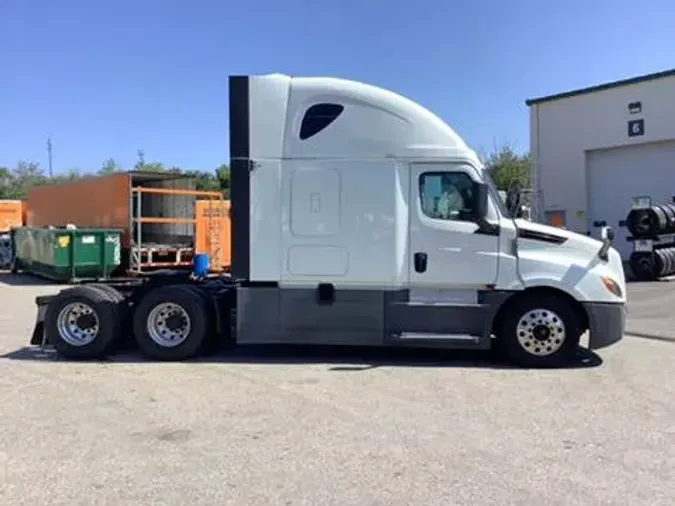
x: 38, y: 337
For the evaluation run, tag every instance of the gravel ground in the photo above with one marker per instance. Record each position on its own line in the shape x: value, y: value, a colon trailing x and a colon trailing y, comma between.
x: 317, y: 427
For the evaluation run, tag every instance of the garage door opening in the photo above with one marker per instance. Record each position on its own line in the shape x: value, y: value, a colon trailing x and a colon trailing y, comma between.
x: 614, y: 176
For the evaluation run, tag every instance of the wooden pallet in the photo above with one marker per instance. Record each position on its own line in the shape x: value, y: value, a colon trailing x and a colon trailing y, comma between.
x: 152, y: 257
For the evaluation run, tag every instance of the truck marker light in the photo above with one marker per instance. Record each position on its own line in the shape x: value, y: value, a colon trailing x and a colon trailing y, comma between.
x: 612, y: 286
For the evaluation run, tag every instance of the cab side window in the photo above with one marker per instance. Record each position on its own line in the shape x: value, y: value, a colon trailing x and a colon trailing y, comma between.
x: 447, y: 196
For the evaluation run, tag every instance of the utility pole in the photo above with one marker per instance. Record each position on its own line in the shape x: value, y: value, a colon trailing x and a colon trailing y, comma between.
x: 49, y: 156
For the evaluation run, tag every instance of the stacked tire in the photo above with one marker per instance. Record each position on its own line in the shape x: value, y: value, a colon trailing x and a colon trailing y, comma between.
x: 651, y: 223
x: 171, y: 322
x: 665, y: 261
x: 652, y: 265
x: 643, y: 265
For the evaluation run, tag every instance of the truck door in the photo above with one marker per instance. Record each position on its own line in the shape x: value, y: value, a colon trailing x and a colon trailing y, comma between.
x: 448, y: 251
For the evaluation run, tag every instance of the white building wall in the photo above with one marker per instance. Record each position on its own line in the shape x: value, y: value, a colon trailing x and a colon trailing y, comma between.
x: 562, y: 130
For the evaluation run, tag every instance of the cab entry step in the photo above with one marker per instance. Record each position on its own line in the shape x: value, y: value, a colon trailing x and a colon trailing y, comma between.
x: 438, y: 322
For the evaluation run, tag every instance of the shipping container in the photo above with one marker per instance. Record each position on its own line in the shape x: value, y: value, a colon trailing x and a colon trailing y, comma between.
x: 212, y: 233
x: 67, y: 255
x: 155, y: 211
x: 11, y: 214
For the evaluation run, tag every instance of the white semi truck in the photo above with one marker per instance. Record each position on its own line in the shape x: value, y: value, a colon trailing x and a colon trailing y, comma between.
x: 358, y: 218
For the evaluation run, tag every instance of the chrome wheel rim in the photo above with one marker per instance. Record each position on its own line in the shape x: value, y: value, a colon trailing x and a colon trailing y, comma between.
x: 541, y: 332
x: 168, y: 325
x: 78, y: 324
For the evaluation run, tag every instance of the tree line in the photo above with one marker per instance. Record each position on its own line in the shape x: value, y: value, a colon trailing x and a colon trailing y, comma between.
x: 16, y: 182
x: 504, y: 164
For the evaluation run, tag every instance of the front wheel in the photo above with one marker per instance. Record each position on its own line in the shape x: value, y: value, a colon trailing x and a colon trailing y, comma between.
x: 541, y: 331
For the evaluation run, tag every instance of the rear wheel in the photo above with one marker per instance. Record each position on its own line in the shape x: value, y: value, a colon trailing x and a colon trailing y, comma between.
x: 124, y: 341
x: 171, y: 323
x: 109, y: 290
x: 82, y: 322
x: 541, y: 331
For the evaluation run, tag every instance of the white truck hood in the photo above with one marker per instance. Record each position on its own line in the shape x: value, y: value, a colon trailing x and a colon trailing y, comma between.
x: 574, y: 240
x: 567, y: 260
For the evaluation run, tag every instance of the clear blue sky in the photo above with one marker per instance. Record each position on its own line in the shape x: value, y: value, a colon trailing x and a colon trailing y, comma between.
x: 104, y: 78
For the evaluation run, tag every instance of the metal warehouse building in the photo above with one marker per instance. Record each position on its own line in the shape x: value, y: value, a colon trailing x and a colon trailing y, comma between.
x: 595, y: 149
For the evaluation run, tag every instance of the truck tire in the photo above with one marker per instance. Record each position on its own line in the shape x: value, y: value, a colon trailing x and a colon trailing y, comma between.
x: 111, y: 291
x: 541, y: 331
x: 171, y: 323
x: 214, y: 341
x: 124, y: 340
x: 82, y: 322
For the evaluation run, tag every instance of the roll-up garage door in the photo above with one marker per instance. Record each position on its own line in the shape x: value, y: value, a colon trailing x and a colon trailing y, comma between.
x: 616, y: 175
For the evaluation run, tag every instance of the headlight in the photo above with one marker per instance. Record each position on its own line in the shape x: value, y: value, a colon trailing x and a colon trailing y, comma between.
x: 612, y: 286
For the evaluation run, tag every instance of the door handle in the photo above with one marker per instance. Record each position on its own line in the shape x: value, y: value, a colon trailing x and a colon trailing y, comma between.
x: 420, y: 262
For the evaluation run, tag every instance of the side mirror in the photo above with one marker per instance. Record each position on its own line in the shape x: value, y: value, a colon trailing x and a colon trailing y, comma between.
x: 607, y: 234
x: 480, y: 190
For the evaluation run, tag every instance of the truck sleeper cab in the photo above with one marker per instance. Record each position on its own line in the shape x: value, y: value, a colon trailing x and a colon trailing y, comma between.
x: 361, y: 218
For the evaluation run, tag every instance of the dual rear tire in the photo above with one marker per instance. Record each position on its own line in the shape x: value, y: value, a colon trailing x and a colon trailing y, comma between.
x: 169, y: 323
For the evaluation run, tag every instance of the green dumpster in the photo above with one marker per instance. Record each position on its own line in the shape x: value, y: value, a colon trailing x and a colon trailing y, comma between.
x: 67, y: 255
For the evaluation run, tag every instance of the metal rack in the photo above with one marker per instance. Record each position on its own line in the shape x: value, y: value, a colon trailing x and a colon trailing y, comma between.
x: 147, y: 256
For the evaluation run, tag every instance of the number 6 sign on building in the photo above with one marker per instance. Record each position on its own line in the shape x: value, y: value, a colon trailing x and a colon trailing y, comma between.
x: 636, y: 127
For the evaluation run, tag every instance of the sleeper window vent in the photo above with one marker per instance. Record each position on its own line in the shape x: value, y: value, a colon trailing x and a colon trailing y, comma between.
x: 318, y: 117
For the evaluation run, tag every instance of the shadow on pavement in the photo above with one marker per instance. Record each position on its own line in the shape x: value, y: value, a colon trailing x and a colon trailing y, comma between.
x: 340, y: 358
x: 7, y: 278
x: 650, y: 336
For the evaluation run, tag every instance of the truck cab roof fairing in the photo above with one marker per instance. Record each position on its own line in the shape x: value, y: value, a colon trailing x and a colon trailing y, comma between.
x: 375, y: 123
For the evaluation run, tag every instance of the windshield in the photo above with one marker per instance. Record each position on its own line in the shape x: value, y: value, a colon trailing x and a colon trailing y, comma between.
x: 494, y: 195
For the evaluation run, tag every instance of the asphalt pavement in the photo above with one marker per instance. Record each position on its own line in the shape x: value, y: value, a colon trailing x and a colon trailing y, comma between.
x: 651, y: 309
x: 312, y: 426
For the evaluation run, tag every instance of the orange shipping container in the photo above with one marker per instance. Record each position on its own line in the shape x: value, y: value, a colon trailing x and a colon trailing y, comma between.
x: 11, y: 214
x: 212, y: 232
x: 107, y: 202
x: 97, y: 202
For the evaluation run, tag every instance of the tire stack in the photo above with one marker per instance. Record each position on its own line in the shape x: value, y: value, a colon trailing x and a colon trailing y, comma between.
x: 656, y: 257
